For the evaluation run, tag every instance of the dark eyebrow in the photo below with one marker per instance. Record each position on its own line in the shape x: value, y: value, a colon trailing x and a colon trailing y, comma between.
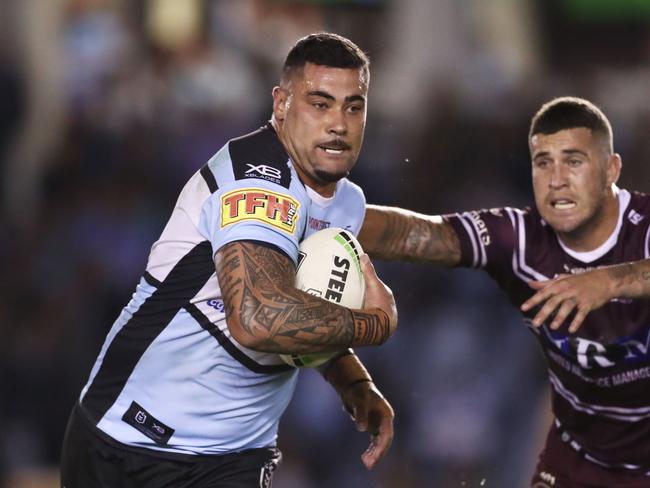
x: 574, y: 151
x: 564, y: 151
x: 355, y: 98
x: 319, y: 93
x: 323, y: 94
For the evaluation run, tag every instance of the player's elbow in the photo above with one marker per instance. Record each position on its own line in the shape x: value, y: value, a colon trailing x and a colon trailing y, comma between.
x: 244, y: 333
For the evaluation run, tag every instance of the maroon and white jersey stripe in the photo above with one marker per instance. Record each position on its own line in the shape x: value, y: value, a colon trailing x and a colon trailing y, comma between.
x: 600, y: 376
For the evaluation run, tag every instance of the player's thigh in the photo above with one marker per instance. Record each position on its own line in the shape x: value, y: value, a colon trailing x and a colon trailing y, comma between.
x: 90, y: 461
x: 86, y: 462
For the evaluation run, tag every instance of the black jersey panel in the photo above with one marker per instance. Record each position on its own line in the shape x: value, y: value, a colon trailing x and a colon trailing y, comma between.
x: 183, y: 282
x: 260, y: 155
x: 209, y: 178
x: 233, y: 350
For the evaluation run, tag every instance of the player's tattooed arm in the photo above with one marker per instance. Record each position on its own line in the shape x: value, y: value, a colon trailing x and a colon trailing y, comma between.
x: 265, y: 312
x: 395, y: 233
x: 631, y: 280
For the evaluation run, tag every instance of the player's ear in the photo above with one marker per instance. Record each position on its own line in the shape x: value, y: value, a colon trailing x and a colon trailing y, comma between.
x: 614, y: 165
x: 280, y: 102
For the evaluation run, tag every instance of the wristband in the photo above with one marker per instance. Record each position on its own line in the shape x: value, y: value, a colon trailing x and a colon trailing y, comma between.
x: 324, y: 369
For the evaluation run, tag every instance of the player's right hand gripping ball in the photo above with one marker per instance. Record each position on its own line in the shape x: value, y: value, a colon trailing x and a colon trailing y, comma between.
x: 329, y: 268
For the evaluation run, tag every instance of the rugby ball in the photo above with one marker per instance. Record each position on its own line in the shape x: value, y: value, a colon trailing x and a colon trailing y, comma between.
x: 329, y: 268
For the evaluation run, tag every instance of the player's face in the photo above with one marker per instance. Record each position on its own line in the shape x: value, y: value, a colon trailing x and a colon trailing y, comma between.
x: 573, y: 175
x: 321, y: 116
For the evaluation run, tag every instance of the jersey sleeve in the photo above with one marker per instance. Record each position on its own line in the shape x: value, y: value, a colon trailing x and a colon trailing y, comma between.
x: 256, y: 210
x: 355, y: 207
x: 487, y: 237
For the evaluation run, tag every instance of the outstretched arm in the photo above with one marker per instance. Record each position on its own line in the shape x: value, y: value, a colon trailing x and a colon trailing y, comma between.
x: 368, y: 408
x: 586, y: 292
x: 265, y: 311
x: 398, y: 234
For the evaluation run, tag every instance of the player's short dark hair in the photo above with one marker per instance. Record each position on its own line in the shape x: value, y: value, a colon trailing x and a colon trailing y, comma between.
x: 325, y: 49
x: 570, y: 113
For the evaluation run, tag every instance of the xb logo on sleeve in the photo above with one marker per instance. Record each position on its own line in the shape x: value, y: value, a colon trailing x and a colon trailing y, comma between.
x: 276, y: 209
x: 264, y: 170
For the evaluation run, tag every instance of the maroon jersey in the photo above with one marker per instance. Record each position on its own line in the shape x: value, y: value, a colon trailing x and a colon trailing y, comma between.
x: 600, y: 376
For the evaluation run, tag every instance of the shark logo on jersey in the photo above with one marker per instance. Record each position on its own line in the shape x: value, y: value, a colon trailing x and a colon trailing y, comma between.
x: 276, y: 209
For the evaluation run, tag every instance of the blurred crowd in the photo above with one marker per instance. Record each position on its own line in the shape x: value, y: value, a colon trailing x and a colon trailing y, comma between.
x: 108, y: 106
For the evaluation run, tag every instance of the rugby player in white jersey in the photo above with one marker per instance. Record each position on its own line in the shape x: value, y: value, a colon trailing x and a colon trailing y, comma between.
x: 576, y: 264
x: 188, y: 388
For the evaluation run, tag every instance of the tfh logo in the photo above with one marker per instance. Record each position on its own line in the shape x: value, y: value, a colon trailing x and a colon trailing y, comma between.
x: 276, y: 209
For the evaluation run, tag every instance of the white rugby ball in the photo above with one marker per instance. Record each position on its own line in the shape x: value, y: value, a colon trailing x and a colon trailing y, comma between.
x: 329, y: 268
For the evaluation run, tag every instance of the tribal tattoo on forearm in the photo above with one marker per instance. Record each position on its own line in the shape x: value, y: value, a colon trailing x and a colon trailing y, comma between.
x: 414, y: 237
x: 370, y: 328
x: 257, y: 283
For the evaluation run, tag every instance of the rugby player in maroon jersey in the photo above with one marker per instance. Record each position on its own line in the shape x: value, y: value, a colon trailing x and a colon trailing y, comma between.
x: 576, y: 264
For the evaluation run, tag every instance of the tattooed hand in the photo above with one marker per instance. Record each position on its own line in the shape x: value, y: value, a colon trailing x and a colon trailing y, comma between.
x: 379, y: 326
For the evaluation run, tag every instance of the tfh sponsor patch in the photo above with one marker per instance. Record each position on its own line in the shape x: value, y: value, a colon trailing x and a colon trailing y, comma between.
x: 273, y: 208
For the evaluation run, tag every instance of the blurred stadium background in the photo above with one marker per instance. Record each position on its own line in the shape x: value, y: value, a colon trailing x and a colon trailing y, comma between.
x: 107, y: 106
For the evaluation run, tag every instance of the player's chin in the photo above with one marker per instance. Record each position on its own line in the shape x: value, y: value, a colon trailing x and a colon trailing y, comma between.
x: 330, y: 176
x: 563, y: 225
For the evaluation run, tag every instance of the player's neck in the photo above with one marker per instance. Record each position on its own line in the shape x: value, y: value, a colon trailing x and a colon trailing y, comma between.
x: 594, y: 233
x: 326, y: 189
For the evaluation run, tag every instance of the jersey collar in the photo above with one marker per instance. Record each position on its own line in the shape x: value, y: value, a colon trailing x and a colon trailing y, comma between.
x: 605, y: 247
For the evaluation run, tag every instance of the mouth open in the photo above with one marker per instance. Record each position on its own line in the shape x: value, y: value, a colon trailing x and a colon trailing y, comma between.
x: 563, y: 204
x: 334, y: 148
x: 331, y: 151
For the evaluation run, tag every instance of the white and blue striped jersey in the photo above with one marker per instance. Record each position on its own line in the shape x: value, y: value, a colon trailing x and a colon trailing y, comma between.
x: 169, y: 376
